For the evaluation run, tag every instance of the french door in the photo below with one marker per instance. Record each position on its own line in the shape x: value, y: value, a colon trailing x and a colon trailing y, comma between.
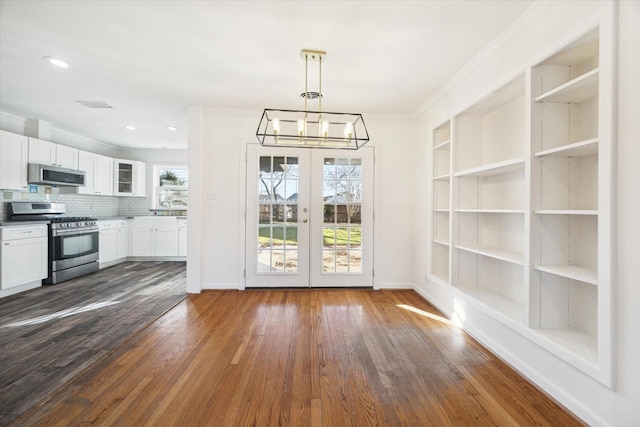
x: 309, y: 217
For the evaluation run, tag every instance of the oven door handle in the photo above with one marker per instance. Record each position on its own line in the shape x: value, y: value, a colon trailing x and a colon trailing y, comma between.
x: 56, y: 233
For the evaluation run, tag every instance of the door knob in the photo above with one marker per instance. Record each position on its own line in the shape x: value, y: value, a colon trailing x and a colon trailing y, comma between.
x: 305, y: 220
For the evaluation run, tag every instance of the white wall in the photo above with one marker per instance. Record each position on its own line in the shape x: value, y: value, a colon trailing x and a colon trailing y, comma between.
x: 217, y: 163
x: 528, y: 41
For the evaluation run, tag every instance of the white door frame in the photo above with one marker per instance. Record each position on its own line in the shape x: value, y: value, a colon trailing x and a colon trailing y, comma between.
x: 309, y: 223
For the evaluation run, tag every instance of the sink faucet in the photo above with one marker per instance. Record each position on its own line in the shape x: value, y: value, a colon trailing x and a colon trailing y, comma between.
x: 168, y: 203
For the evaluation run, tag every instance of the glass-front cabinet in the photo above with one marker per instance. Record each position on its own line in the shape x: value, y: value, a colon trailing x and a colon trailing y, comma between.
x: 130, y: 178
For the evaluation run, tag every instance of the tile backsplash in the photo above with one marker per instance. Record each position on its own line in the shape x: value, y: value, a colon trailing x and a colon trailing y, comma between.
x: 86, y: 205
x: 81, y: 205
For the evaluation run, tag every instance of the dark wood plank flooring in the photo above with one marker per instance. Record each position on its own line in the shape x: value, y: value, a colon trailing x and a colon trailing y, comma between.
x: 51, y: 334
x: 301, y: 358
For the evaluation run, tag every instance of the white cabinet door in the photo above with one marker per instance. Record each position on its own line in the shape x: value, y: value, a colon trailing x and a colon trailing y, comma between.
x: 166, y: 242
x: 103, y: 178
x: 48, y: 153
x: 129, y: 178
x: 143, y: 242
x: 122, y: 242
x: 108, y: 241
x: 182, y: 237
x: 14, y: 158
x: 42, y: 152
x: 23, y: 260
x: 66, y: 157
x: 86, y: 163
x: 155, y: 236
x: 123, y: 177
x: 98, y: 173
x: 140, y: 180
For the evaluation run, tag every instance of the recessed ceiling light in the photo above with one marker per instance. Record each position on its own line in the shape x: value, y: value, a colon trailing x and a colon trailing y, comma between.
x: 129, y: 127
x: 172, y: 128
x: 56, y: 61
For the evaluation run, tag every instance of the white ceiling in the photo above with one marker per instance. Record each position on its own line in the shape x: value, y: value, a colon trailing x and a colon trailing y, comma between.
x: 150, y: 59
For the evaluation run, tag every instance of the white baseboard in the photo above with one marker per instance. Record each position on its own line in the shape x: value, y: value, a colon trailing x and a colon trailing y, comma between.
x: 396, y: 285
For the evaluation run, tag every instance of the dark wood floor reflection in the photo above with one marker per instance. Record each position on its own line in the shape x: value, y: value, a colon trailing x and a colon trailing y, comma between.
x: 51, y: 334
x: 301, y: 358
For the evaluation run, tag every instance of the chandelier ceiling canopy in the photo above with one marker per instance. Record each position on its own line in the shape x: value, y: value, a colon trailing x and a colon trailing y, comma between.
x: 312, y: 129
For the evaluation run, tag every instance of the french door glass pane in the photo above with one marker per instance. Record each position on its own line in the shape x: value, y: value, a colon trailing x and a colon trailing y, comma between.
x: 342, y: 205
x: 278, y: 214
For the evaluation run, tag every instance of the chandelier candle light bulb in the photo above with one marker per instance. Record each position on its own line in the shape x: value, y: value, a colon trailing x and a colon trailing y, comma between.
x: 324, y: 128
x: 302, y: 124
x: 276, y: 126
x: 348, y: 130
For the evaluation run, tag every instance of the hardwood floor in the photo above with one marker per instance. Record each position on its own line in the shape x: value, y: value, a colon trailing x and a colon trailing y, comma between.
x: 49, y: 335
x: 300, y: 358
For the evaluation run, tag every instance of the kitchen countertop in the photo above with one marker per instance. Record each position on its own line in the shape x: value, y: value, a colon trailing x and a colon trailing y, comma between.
x: 8, y: 223
x: 17, y: 223
x: 107, y: 218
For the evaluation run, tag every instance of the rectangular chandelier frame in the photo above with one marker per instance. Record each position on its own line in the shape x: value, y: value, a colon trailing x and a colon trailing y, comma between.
x: 312, y: 129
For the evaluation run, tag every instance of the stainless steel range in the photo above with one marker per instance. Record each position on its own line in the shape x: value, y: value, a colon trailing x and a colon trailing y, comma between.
x: 73, y: 241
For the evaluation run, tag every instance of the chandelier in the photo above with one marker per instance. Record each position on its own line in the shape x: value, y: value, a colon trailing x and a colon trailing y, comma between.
x: 312, y: 129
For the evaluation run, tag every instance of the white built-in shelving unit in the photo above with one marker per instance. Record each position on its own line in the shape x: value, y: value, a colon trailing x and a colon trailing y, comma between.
x: 489, y: 203
x: 571, y: 190
x: 441, y: 215
x: 522, y: 203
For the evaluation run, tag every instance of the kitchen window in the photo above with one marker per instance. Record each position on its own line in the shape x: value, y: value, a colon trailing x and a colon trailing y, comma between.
x: 170, y: 187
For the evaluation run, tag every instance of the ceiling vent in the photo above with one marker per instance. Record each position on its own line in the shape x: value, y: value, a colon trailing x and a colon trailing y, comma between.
x: 95, y: 104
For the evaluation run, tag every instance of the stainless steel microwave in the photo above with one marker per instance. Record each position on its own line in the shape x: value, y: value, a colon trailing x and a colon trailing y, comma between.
x: 55, y: 175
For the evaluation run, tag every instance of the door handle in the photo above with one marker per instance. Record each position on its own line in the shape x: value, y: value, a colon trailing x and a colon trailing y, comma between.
x: 305, y: 220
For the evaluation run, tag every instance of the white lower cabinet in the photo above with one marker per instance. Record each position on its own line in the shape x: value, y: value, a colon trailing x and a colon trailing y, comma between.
x: 108, y: 241
x: 23, y: 257
x: 122, y: 239
x: 155, y: 236
x: 114, y: 240
x: 182, y: 237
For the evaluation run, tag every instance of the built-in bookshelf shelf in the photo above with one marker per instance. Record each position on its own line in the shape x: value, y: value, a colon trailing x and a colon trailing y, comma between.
x: 495, y: 253
x: 582, y: 274
x: 579, y: 345
x: 574, y: 91
x: 496, y: 168
x: 442, y: 279
x: 589, y: 212
x: 492, y: 211
x: 441, y: 192
x: 503, y: 306
x: 588, y: 147
x: 443, y: 145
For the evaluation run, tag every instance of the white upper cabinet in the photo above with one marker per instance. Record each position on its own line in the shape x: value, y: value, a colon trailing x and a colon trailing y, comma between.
x: 130, y: 178
x: 48, y: 153
x: 66, y: 157
x: 103, y: 178
x: 98, y: 173
x: 86, y: 163
x: 14, y: 151
x: 42, y: 152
